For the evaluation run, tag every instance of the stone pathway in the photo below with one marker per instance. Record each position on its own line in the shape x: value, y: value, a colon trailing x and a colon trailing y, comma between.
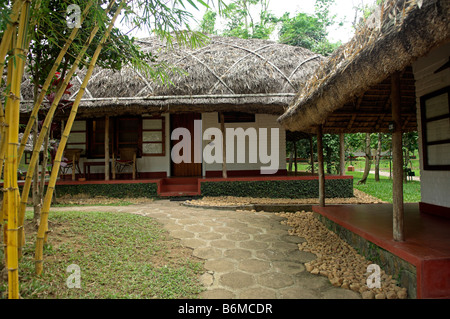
x: 247, y: 254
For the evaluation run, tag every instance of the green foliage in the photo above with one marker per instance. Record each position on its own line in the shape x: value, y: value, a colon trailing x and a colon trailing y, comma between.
x: 279, y: 189
x: 208, y: 22
x: 133, y: 190
x: 310, y: 31
x: 330, y: 151
x: 241, y: 23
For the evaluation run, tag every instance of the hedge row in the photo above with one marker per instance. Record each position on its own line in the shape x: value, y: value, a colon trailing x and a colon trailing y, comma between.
x: 110, y: 190
x: 334, y: 188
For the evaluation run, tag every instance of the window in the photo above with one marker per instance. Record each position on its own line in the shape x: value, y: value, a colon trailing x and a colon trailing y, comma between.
x: 237, y: 117
x: 435, y: 113
x: 128, y: 133
x: 153, y: 139
x: 123, y: 132
x: 96, y: 138
x: 77, y: 137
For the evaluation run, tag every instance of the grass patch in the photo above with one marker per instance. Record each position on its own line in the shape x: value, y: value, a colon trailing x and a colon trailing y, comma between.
x: 120, y: 256
x: 383, y: 188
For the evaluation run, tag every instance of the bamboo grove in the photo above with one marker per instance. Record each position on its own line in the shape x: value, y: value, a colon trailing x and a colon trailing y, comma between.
x: 14, y: 46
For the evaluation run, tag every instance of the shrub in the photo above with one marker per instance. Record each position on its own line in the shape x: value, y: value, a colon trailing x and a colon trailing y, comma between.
x: 279, y: 189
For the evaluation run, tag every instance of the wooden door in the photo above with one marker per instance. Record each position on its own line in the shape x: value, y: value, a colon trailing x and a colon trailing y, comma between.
x: 185, y: 120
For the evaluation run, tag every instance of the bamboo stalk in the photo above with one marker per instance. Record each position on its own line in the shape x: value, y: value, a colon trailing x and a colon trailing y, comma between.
x: 57, y: 162
x: 5, y: 45
x: 5, y: 179
x: 13, y: 111
x: 48, y: 81
x: 7, y: 35
x: 45, y: 128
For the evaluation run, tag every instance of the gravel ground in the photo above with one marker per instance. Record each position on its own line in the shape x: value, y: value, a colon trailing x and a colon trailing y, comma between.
x: 359, y: 198
x: 336, y: 259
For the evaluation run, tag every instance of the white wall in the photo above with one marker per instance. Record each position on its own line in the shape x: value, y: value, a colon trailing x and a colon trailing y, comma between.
x: 435, y: 185
x: 144, y: 164
x: 162, y: 163
x: 261, y: 121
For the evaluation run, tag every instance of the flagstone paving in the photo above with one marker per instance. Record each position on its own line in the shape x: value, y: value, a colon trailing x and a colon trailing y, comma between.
x: 246, y: 254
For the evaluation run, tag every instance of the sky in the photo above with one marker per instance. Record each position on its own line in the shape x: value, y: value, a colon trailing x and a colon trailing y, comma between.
x: 344, y: 9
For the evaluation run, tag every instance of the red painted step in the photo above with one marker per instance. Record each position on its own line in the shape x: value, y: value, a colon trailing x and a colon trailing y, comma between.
x: 179, y: 187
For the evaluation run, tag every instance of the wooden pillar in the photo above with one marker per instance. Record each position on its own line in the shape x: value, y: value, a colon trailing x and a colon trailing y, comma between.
x: 341, y: 154
x: 311, y: 149
x: 107, y: 148
x: 295, y: 157
x: 224, y: 146
x: 397, y: 159
x: 321, y: 166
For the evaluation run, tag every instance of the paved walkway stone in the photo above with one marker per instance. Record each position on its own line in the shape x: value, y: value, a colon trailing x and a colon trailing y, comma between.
x: 247, y: 254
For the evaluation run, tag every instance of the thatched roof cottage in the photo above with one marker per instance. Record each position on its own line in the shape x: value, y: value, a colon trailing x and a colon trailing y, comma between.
x: 229, y: 83
x: 393, y: 76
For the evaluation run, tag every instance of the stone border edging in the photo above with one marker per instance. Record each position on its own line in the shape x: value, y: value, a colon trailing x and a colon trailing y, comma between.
x: 268, y: 208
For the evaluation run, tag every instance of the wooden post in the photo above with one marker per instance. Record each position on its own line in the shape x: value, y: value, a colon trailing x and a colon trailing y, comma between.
x: 397, y: 159
x: 73, y: 165
x: 341, y: 154
x: 311, y: 148
x: 224, y: 146
x: 295, y: 157
x: 321, y: 166
x: 107, y: 148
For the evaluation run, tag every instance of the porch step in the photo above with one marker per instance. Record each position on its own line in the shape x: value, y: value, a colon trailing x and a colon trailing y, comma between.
x: 179, y: 188
x: 171, y: 187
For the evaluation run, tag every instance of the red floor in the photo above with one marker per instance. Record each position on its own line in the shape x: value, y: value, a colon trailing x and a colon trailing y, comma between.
x: 426, y: 245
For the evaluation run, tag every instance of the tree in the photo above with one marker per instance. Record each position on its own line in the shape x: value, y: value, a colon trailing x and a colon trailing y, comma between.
x: 16, y: 20
x: 46, y: 40
x: 310, y: 31
x: 208, y: 23
x: 368, y: 161
x: 241, y: 20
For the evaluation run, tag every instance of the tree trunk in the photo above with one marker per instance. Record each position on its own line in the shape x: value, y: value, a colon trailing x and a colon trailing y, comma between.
x: 291, y: 156
x: 368, y: 162
x: 377, y: 159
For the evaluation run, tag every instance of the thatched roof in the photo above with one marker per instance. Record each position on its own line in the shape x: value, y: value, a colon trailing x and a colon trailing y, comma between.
x: 351, y: 91
x: 227, y: 74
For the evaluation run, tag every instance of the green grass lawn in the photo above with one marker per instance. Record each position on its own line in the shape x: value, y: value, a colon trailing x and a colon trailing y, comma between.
x: 383, y: 188
x: 120, y: 256
x: 359, y: 165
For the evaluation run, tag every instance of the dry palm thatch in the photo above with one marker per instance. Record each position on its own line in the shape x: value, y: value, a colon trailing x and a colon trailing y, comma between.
x: 350, y: 92
x: 227, y: 74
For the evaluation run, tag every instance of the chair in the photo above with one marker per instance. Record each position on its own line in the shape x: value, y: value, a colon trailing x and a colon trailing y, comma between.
x: 127, y: 158
x: 71, y: 161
